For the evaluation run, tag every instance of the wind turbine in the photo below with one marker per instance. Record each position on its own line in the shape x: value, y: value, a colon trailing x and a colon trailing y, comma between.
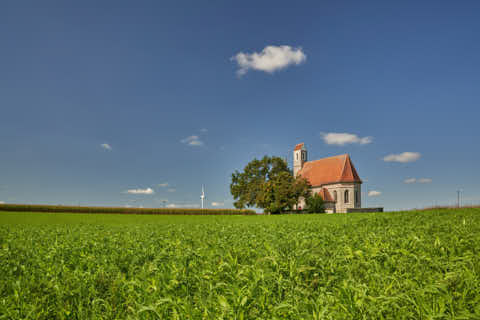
x: 202, y: 197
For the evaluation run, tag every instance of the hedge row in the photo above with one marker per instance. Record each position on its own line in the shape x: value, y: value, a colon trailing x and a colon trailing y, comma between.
x: 122, y: 210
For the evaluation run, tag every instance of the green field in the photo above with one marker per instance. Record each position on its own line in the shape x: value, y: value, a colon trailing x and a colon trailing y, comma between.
x: 410, y: 265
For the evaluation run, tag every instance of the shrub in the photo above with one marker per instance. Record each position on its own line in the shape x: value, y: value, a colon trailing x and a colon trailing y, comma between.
x: 314, y: 204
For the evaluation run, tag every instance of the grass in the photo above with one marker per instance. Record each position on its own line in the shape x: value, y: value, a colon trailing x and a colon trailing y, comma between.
x: 405, y: 265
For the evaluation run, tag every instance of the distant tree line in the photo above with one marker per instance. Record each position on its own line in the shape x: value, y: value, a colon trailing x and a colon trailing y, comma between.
x: 122, y: 210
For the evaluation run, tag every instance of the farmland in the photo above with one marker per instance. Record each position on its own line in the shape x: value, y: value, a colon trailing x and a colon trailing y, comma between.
x: 403, y: 265
x: 122, y: 210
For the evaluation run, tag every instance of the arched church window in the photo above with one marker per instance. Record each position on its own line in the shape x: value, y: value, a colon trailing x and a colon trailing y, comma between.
x: 346, y: 196
x: 335, y: 195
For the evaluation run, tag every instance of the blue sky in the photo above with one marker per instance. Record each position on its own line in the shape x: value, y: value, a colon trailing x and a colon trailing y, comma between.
x: 157, y: 84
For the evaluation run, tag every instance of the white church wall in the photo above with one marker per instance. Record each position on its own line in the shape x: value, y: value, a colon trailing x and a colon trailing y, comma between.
x: 340, y: 188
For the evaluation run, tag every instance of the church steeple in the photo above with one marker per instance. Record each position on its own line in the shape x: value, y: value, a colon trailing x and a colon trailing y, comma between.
x: 299, y: 158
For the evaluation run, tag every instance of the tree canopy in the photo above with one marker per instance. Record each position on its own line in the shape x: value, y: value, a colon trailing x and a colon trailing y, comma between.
x: 268, y: 184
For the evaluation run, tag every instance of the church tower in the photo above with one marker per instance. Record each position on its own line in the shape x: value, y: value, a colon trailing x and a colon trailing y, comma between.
x: 299, y: 158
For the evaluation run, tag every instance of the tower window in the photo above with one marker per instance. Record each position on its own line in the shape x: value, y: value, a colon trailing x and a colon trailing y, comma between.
x: 297, y: 155
x: 335, y: 195
x: 346, y: 196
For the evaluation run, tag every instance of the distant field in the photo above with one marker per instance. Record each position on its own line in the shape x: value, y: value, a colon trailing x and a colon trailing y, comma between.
x: 405, y: 265
x: 121, y: 210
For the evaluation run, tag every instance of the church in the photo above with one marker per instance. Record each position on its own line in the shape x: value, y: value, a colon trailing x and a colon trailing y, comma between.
x: 334, y: 178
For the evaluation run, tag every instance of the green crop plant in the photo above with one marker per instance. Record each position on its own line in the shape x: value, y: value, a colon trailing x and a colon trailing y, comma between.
x: 402, y: 265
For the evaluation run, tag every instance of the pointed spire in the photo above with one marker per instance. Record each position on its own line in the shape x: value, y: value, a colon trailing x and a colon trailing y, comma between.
x: 299, y: 146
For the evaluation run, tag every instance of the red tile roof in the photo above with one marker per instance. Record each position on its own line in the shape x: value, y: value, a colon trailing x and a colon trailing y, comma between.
x: 326, y: 196
x: 298, y: 146
x: 330, y: 170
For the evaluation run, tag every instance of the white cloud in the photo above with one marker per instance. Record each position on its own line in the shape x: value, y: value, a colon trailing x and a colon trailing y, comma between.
x: 163, y: 185
x: 171, y: 190
x: 204, y: 130
x: 271, y: 59
x: 402, y: 157
x: 192, y: 141
x: 175, y: 205
x: 419, y: 180
x: 2, y: 202
x: 374, y: 193
x: 106, y: 146
x: 141, y: 191
x: 217, y: 204
x: 341, y: 139
x: 424, y: 180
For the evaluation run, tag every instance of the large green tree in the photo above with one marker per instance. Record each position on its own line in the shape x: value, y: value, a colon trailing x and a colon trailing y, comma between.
x: 269, y: 184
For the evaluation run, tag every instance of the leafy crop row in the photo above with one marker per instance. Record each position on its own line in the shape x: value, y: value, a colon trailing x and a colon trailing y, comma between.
x: 116, y: 210
x: 363, y: 266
